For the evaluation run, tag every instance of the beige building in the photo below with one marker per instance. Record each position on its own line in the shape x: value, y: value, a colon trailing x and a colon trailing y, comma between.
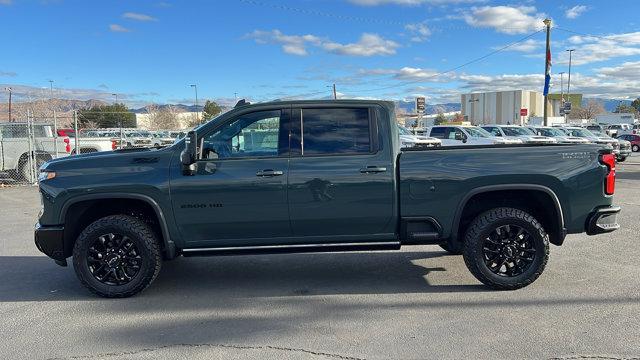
x: 502, y: 107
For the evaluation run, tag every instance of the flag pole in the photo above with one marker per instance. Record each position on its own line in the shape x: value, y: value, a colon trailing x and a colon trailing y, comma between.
x: 547, y: 72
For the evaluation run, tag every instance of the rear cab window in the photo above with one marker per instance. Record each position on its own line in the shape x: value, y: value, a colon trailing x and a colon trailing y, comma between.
x: 333, y: 131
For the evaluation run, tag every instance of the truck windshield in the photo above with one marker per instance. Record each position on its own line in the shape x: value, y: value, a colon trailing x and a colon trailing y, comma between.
x: 550, y: 132
x: 516, y: 131
x: 404, y: 131
x: 477, y: 132
x: 579, y: 132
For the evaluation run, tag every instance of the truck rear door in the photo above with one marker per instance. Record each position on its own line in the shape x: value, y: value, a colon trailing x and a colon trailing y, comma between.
x: 341, y: 174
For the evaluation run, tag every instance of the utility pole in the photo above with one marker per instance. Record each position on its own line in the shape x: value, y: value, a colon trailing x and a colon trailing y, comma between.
x: 547, y: 71
x: 197, y: 112
x: 562, y: 95
x: 9, y: 90
x: 335, y: 94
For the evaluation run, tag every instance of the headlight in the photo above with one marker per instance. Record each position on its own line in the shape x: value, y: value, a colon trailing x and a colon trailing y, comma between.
x: 46, y: 175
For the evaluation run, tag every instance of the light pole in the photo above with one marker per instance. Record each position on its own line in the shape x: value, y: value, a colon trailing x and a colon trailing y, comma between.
x: 472, y: 108
x: 53, y: 111
x: 195, y: 87
x: 569, y: 81
x: 9, y: 90
x: 561, y: 111
x: 116, y: 95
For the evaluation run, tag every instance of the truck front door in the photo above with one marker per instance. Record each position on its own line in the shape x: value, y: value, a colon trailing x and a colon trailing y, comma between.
x: 238, y: 195
x: 341, y: 175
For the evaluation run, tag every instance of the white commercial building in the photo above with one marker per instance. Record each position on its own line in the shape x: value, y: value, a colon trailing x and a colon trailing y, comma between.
x: 503, y: 107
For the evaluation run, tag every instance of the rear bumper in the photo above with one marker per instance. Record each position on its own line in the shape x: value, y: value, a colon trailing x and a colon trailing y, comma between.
x: 603, y: 220
x: 50, y: 241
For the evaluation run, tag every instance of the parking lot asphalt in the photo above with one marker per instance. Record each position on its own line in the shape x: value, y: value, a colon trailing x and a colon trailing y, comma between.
x: 415, y: 303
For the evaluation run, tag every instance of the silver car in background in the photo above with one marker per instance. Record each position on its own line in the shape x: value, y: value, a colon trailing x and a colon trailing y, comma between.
x: 557, y: 134
x: 518, y: 132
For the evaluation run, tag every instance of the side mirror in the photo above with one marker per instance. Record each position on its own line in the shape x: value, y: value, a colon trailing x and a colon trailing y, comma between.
x: 189, y: 154
x: 459, y: 136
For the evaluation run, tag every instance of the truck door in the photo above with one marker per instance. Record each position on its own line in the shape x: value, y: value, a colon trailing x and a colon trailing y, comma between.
x: 238, y: 195
x: 341, y: 174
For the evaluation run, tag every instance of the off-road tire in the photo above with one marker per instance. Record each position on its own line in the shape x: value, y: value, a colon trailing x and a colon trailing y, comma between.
x: 23, y: 168
x: 143, y: 237
x: 483, y: 225
x: 456, y: 249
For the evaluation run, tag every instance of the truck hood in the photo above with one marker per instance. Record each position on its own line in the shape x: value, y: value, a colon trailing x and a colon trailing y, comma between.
x: 104, y: 159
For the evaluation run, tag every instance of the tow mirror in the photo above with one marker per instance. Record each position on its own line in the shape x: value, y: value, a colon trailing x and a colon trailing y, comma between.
x: 189, y: 154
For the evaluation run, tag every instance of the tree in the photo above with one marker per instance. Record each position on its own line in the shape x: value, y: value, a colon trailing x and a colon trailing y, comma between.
x: 636, y: 104
x: 163, y: 117
x: 108, y: 116
x: 210, y: 110
x: 440, y: 119
x: 458, y: 117
x: 626, y: 109
x: 589, y: 111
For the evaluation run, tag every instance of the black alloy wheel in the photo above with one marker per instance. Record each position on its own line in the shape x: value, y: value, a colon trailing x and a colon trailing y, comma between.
x: 113, y: 259
x: 508, y: 250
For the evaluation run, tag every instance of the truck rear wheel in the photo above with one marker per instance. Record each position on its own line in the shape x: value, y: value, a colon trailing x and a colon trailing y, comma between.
x: 506, y: 248
x: 117, y: 256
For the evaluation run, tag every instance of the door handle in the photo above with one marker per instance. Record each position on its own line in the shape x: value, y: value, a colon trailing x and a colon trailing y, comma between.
x: 373, y: 169
x: 269, y: 173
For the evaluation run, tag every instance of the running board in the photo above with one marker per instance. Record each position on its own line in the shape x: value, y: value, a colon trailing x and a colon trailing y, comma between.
x: 294, y: 248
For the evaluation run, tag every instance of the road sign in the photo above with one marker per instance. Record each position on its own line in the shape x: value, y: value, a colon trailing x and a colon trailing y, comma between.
x: 524, y: 112
x: 421, y: 105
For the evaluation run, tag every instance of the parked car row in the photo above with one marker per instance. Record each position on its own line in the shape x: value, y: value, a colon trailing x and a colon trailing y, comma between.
x: 111, y: 139
x: 495, y: 134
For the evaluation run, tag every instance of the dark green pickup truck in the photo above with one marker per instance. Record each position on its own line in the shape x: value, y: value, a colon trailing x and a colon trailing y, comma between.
x: 303, y: 176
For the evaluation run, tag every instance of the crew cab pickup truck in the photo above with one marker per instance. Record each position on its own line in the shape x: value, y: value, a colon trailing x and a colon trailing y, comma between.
x: 304, y: 176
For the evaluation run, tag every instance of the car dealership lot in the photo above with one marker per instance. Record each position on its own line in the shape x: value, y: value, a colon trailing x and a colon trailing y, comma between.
x: 415, y: 303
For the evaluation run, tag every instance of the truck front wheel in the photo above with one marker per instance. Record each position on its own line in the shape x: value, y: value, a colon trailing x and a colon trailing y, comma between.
x: 117, y: 256
x: 506, y: 248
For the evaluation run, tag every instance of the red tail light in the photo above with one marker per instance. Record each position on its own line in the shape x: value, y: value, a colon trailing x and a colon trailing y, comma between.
x: 610, y: 180
x: 68, y: 147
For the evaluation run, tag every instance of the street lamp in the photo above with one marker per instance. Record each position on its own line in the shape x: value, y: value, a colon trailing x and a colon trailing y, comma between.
x: 472, y: 108
x: 116, y: 95
x: 195, y: 87
x: 569, y: 81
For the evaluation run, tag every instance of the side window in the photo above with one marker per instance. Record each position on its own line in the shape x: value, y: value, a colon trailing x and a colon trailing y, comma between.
x: 438, y: 132
x: 335, y: 131
x: 453, y: 132
x: 494, y: 131
x: 251, y: 135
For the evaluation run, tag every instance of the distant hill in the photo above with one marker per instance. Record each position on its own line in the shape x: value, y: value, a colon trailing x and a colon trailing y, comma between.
x: 609, y: 104
x: 410, y: 107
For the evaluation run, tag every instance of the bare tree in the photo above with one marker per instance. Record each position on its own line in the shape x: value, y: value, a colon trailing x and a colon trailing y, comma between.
x: 163, y: 117
x: 589, y: 111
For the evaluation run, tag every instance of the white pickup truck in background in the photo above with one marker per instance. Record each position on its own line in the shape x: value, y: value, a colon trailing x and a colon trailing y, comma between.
x: 20, y: 157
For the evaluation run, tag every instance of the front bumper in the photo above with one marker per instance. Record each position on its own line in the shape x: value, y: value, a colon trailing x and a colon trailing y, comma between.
x: 624, y: 153
x: 603, y: 220
x: 50, y: 241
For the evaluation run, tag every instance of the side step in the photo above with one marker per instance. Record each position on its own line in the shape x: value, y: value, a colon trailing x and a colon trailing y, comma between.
x: 425, y: 237
x: 294, y: 248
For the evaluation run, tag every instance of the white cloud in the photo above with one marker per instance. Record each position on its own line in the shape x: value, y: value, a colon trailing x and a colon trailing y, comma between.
x: 367, y: 45
x: 118, y: 28
x: 7, y: 74
x: 505, y: 19
x: 408, y: 73
x: 138, y: 16
x: 6, y: 2
x: 419, y: 32
x: 575, y: 11
x: 591, y: 49
x: 413, y: 2
x: 625, y: 71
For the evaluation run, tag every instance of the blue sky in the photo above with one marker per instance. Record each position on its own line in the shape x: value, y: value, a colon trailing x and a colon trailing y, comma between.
x: 150, y: 51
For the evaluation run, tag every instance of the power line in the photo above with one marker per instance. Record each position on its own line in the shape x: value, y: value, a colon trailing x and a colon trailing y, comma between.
x: 457, y: 67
